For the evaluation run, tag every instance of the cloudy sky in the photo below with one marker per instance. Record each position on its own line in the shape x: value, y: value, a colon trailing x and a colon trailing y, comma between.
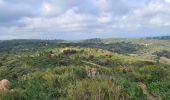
x: 81, y: 19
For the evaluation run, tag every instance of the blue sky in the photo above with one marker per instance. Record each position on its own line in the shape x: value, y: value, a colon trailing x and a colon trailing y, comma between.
x: 82, y: 19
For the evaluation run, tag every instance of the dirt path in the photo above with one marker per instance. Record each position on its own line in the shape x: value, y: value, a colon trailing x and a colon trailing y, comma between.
x: 91, y: 63
x: 145, y: 91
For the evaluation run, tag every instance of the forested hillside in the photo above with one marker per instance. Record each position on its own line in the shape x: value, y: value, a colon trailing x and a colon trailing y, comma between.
x: 95, y: 69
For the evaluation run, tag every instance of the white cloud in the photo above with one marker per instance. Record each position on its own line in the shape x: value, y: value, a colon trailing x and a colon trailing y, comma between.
x: 36, y: 17
x: 106, y: 18
x: 156, y: 21
x: 153, y: 8
x: 68, y: 21
x: 167, y: 1
x: 49, y: 9
x: 103, y: 5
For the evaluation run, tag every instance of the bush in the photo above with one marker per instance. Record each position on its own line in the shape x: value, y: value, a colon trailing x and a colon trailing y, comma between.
x: 80, y: 73
x: 17, y: 94
x: 160, y: 89
x: 129, y: 90
x: 69, y: 51
x: 91, y: 57
x: 94, y: 90
x: 152, y: 73
x: 39, y: 88
x: 136, y: 76
x: 1, y: 64
x: 163, y: 53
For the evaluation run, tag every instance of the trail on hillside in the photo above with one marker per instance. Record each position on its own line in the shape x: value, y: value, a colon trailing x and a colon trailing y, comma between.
x: 91, y: 63
x: 145, y: 91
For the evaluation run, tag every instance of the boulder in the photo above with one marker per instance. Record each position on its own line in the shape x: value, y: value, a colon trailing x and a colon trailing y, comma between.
x: 103, y: 62
x: 4, y: 85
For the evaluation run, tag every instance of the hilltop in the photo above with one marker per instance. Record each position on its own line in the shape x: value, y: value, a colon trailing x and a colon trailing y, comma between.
x: 97, y: 69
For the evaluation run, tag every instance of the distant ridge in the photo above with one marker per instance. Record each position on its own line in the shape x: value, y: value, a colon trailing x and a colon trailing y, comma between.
x: 160, y: 38
x: 93, y: 40
x: 33, y: 40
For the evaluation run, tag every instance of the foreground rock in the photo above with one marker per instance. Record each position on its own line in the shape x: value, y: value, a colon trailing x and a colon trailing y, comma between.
x: 4, y: 85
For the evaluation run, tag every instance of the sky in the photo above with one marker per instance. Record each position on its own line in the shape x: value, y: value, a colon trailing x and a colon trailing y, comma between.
x: 83, y: 19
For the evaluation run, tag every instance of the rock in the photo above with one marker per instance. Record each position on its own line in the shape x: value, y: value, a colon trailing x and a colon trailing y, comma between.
x: 103, y: 61
x: 91, y: 72
x: 24, y: 77
x: 4, y: 85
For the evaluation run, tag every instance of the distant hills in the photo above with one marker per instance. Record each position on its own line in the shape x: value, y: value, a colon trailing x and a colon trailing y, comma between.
x: 93, y: 40
x: 160, y: 37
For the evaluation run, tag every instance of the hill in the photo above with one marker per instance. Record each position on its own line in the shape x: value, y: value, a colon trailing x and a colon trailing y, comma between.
x: 161, y: 38
x: 103, y: 70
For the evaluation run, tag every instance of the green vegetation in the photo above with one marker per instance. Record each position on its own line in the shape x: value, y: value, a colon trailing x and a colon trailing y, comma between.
x: 94, y: 69
x: 163, y: 53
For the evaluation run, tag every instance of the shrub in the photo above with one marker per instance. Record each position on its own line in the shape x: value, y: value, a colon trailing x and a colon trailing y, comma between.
x: 39, y: 88
x: 80, y: 73
x: 161, y: 88
x: 91, y: 57
x: 163, y: 53
x: 129, y: 90
x: 69, y: 51
x: 16, y: 94
x: 136, y: 76
x: 1, y: 64
x: 152, y: 73
x: 94, y: 90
